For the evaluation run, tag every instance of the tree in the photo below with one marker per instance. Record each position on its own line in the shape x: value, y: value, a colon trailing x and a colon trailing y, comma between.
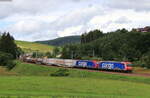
x: 56, y: 51
x: 91, y: 36
x: 145, y: 60
x: 65, y: 52
x: 8, y: 45
x: 48, y: 54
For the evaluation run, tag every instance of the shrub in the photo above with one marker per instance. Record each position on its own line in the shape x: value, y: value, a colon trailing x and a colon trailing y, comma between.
x: 4, y: 57
x: 6, y: 60
x: 10, y: 65
x: 146, y: 60
x: 48, y: 54
x: 138, y: 64
x: 60, y: 72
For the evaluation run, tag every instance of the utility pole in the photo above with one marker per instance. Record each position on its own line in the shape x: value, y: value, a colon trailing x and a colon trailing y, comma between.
x: 72, y: 55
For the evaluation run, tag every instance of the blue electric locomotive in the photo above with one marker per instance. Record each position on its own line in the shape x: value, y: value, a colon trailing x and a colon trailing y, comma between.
x: 86, y: 64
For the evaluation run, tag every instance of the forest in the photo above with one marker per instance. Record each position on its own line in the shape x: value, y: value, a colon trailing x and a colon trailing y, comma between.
x: 120, y: 45
x: 61, y: 41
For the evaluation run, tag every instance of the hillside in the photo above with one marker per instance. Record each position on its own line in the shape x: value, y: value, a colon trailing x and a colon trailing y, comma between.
x: 61, y: 41
x: 31, y: 46
x: 34, y: 81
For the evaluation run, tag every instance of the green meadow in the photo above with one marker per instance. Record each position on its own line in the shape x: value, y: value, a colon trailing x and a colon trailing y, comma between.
x: 34, y: 81
x: 31, y: 46
x: 71, y: 87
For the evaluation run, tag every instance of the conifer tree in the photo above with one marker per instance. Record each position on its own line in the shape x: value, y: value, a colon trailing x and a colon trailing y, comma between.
x: 8, y: 45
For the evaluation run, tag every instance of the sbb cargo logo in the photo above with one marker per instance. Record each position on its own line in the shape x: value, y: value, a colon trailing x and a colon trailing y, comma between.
x: 82, y: 64
x: 107, y: 66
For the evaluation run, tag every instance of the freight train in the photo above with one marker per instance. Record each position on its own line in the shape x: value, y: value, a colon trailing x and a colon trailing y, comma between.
x: 90, y: 64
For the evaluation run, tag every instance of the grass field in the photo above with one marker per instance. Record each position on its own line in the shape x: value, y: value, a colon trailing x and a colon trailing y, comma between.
x: 34, y: 81
x: 58, y: 87
x: 30, y: 46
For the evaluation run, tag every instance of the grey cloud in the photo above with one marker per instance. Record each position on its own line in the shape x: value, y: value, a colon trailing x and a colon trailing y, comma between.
x: 32, y: 7
x: 75, y: 18
x: 70, y: 15
x: 138, y: 5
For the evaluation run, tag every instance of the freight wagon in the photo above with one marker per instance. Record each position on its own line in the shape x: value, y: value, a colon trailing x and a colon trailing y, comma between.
x: 59, y: 62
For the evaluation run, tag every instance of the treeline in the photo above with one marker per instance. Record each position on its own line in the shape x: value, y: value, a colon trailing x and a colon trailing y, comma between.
x: 61, y: 41
x: 121, y: 45
x: 8, y: 51
x: 91, y: 36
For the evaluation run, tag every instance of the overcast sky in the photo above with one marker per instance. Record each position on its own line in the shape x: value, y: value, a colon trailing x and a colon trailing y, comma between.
x: 33, y: 20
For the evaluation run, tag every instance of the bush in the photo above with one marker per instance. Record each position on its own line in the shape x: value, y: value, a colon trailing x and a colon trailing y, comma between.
x: 138, y: 64
x: 37, y: 54
x: 6, y: 60
x: 4, y: 57
x: 60, y: 73
x: 10, y: 65
x: 146, y: 61
x: 48, y: 54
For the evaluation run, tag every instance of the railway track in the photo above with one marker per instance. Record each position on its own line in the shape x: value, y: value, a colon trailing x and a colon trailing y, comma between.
x: 94, y: 70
